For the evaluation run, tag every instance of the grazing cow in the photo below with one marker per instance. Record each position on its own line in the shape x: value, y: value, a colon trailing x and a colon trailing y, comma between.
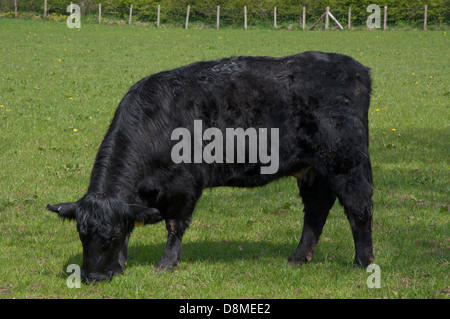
x: 318, y: 102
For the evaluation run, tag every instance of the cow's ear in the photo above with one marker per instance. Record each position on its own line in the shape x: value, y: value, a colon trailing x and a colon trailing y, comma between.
x: 65, y: 210
x: 144, y: 215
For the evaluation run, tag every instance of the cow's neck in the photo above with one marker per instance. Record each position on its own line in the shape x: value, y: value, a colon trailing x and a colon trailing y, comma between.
x: 116, y: 171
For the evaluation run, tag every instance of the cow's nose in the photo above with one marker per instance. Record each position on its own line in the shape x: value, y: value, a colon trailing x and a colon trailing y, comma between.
x: 95, y: 278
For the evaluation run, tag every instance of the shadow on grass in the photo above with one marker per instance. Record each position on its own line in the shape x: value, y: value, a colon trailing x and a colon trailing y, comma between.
x: 223, y: 251
x: 214, y: 251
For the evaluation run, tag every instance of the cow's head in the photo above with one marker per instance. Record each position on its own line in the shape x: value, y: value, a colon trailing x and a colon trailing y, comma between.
x: 104, y: 224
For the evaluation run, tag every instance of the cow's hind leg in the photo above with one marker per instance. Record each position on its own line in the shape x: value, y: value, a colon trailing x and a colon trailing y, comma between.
x: 318, y: 199
x: 354, y: 191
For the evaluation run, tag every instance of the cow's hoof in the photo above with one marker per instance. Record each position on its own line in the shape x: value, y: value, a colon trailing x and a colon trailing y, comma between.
x: 159, y: 270
x: 301, y: 258
x: 161, y: 267
x: 363, y: 262
x: 296, y: 263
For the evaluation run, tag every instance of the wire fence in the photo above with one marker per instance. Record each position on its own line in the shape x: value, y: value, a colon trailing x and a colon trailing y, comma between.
x: 207, y: 15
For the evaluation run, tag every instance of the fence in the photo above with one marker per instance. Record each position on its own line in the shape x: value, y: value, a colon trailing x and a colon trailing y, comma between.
x: 214, y: 16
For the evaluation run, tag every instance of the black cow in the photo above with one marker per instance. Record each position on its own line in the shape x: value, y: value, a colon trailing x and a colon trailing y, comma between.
x: 318, y: 102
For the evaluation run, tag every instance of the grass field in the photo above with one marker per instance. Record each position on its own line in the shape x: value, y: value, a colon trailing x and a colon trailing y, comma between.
x: 59, y: 89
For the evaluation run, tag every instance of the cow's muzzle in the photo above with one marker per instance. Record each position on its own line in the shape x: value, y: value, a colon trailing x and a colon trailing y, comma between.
x: 95, y: 277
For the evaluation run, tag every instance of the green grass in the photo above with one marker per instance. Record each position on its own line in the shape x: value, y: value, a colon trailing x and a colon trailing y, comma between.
x: 59, y: 89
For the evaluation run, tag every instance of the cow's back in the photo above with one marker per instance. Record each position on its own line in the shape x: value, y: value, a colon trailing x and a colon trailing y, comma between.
x: 316, y: 100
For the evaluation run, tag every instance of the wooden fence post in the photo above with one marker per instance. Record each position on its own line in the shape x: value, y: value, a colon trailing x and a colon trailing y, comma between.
x: 187, y: 16
x: 425, y: 18
x: 335, y: 20
x: 45, y: 8
x: 245, y: 17
x: 158, y: 16
x: 131, y: 13
x: 304, y: 18
x: 218, y: 18
x: 275, y: 17
x: 99, y: 13
x: 327, y: 19
x: 385, y: 18
x: 318, y: 20
x: 349, y: 23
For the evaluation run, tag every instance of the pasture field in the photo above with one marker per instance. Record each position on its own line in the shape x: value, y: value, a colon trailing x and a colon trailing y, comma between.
x: 59, y: 89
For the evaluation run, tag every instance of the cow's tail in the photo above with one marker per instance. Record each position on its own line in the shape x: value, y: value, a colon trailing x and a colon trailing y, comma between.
x: 366, y: 82
x: 363, y: 90
x: 367, y: 165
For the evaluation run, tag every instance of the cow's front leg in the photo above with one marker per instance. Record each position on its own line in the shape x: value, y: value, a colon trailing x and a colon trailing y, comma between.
x: 123, y: 255
x: 172, y: 253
